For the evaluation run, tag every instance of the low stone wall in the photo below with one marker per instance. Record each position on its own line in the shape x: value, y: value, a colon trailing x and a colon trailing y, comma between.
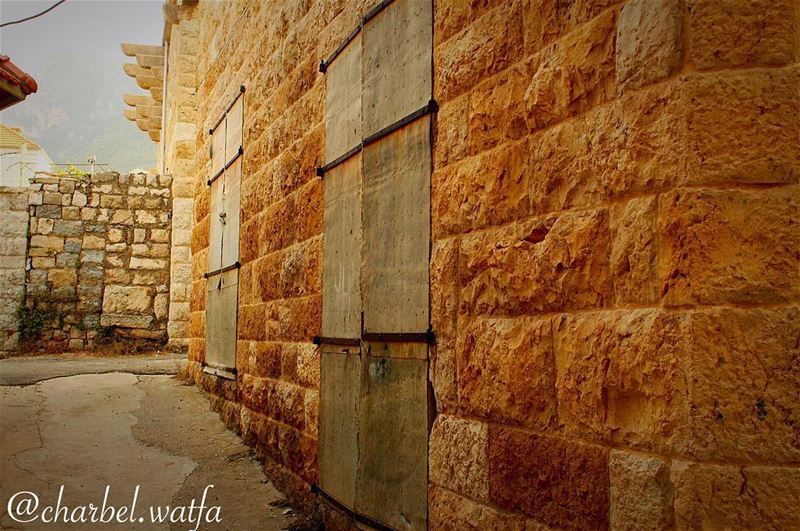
x: 13, y: 242
x: 98, y: 260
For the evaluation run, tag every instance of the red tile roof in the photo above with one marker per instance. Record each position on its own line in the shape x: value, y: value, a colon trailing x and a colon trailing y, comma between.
x: 11, y: 73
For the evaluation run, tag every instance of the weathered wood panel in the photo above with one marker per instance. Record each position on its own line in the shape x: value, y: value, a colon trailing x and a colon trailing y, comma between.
x: 218, y: 149
x: 341, y: 291
x: 223, y: 297
x: 392, y: 478
x: 396, y: 222
x: 230, y: 205
x: 343, y: 111
x: 397, y: 63
x: 340, y: 377
x: 215, y: 231
x: 233, y: 128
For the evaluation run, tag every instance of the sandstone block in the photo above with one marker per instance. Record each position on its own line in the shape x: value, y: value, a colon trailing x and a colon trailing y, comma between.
x: 505, y: 371
x: 11, y: 283
x: 730, y: 497
x: 452, y: 132
x: 147, y: 263
x: 159, y: 235
x: 178, y: 311
x: 76, y: 344
x: 71, y: 213
x: 648, y: 41
x: 67, y: 227
x: 729, y: 33
x: 112, y: 201
x: 41, y: 262
x: 478, y: 52
x: 116, y: 247
x: 458, y: 456
x: 558, y: 482
x: 146, y: 217
x: 93, y: 242
x: 444, y: 310
x: 635, y: 145
x: 621, y: 378
x: 448, y: 511
x: 494, y: 109
x: 745, y: 384
x: 67, y: 260
x: 161, y: 306
x: 48, y: 211
x: 93, y: 257
x: 742, y: 126
x: 573, y: 74
x: 641, y: 492
x: 79, y: 199
x: 66, y: 186
x: 730, y: 246
x: 634, y: 251
x: 72, y: 245
x: 122, y: 217
x: 126, y: 321
x: 489, y: 189
x: 13, y: 246
x: 547, y: 264
x: 43, y: 226
x: 115, y: 235
x: 181, y: 237
x: 126, y: 300
x: 453, y: 16
x: 60, y: 278
x: 52, y: 198
x: 47, y: 242
x: 549, y: 20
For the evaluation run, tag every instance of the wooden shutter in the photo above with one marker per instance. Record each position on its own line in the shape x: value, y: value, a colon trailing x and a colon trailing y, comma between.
x: 374, y: 409
x: 223, y: 257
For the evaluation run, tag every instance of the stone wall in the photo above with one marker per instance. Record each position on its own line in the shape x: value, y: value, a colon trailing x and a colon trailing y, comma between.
x: 614, y: 273
x: 179, y: 131
x: 13, y: 244
x: 274, y: 49
x: 98, y: 259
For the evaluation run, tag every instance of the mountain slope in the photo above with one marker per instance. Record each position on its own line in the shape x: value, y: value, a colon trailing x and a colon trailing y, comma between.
x: 78, y: 112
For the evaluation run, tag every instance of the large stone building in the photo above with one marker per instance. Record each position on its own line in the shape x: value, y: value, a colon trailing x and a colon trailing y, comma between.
x: 493, y: 264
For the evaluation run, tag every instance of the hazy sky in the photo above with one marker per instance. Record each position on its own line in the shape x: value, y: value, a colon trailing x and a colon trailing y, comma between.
x: 94, y: 27
x: 79, y: 106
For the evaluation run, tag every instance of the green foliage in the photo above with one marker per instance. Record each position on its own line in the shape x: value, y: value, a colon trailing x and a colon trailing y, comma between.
x: 32, y: 321
x: 71, y: 171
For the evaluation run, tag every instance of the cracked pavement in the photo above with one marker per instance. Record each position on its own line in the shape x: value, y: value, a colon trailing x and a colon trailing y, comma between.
x: 59, y: 426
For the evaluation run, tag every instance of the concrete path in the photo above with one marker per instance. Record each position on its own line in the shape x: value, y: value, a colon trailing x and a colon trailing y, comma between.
x: 120, y: 429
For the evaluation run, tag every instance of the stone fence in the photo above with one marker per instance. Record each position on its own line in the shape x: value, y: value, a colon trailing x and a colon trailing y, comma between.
x: 97, y: 261
x: 13, y: 243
